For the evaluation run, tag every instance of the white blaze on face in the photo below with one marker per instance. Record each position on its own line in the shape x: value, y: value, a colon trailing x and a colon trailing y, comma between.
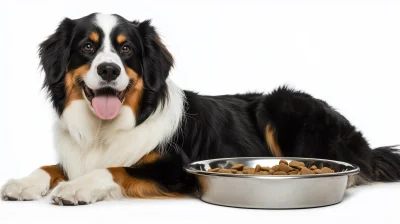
x: 106, y: 107
x: 106, y: 53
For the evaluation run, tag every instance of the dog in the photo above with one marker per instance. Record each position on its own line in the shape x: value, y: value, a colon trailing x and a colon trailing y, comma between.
x: 125, y: 130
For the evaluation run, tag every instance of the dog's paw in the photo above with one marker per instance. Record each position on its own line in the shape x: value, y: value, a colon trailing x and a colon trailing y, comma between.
x: 71, y: 193
x: 95, y: 186
x: 32, y: 187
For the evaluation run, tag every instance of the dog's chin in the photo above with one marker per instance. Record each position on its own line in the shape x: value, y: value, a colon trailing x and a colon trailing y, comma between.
x: 106, y: 102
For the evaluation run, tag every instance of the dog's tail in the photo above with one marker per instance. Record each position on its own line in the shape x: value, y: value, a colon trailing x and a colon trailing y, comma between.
x: 385, y: 164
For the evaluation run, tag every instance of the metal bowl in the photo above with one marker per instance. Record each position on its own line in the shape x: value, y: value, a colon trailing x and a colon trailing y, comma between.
x: 271, y: 191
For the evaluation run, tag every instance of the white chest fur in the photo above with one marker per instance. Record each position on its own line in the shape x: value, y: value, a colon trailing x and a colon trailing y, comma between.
x: 83, y: 142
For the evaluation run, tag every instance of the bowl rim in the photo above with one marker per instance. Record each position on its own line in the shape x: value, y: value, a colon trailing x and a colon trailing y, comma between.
x: 188, y: 168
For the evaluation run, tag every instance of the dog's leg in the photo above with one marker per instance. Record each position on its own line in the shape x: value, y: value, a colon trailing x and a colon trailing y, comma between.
x: 34, y: 186
x: 154, y: 176
x: 94, y: 186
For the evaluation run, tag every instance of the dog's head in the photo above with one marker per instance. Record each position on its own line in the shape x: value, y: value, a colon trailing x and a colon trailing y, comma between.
x: 107, y: 61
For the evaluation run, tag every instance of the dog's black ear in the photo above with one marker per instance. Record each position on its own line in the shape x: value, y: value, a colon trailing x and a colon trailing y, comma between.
x: 157, y: 60
x: 54, y: 52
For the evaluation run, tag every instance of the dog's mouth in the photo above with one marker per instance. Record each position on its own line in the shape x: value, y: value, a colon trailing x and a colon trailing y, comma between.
x: 106, y: 101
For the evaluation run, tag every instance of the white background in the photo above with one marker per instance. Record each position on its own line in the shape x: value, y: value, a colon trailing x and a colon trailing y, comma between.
x: 345, y: 52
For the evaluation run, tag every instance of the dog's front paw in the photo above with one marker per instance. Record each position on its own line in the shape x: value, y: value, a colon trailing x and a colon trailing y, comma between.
x: 32, y: 187
x: 71, y: 193
x: 95, y: 186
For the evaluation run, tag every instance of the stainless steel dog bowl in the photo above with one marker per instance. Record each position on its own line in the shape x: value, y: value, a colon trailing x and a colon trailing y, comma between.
x: 271, y: 191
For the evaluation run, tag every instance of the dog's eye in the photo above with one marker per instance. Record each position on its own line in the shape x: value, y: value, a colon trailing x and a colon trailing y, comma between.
x: 126, y: 49
x: 88, y: 48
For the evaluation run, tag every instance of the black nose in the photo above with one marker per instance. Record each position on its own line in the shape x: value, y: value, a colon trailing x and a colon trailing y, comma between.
x: 108, y: 71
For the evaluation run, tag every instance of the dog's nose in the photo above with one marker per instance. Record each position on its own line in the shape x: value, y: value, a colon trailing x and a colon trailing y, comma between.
x: 108, y: 71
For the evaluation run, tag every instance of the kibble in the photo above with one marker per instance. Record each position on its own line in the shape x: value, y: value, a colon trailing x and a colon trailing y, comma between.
x: 283, y: 168
x: 275, y: 168
x: 313, y: 167
x: 305, y: 170
x: 258, y: 168
x: 327, y: 170
x: 225, y: 171
x: 296, y: 164
x: 283, y: 161
x: 238, y: 167
x: 265, y: 168
x: 214, y: 170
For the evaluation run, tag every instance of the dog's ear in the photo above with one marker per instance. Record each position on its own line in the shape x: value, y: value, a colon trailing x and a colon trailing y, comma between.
x: 157, y: 61
x: 54, y: 52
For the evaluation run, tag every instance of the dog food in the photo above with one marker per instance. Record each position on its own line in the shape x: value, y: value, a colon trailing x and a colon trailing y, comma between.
x: 283, y: 168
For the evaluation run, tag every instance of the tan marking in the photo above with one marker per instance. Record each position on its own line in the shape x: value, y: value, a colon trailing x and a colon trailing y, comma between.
x: 56, y: 175
x: 72, y: 88
x: 134, y: 95
x: 149, y: 158
x: 121, y: 38
x: 137, y: 188
x: 272, y: 142
x: 94, y: 37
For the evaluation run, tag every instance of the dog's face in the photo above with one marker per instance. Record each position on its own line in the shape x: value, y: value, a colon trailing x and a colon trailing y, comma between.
x: 107, y: 61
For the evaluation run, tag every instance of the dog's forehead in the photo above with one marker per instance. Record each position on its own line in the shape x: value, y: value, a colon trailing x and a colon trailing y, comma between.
x: 106, y: 23
x: 106, y: 26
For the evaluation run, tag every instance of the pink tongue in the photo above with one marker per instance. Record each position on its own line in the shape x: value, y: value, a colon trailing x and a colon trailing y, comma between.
x: 106, y: 107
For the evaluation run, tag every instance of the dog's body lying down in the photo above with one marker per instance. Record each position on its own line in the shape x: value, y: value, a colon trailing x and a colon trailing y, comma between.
x: 126, y: 130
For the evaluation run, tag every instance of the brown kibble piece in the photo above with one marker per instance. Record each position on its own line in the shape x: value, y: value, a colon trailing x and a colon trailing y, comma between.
x: 265, y: 168
x: 262, y: 173
x: 271, y: 171
x: 225, y: 171
x: 285, y: 168
x: 313, y: 167
x: 233, y: 171
x: 249, y: 171
x: 275, y: 168
x: 280, y: 173
x: 238, y: 167
x: 283, y: 161
x: 296, y: 164
x: 293, y: 172
x: 317, y: 171
x: 239, y: 172
x: 214, y: 170
x: 258, y: 168
x: 246, y: 168
x: 327, y: 170
x: 305, y: 171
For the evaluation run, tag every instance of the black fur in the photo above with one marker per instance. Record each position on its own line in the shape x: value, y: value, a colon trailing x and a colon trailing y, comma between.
x: 156, y: 65
x: 221, y: 126
x: 167, y: 173
x: 54, y: 55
